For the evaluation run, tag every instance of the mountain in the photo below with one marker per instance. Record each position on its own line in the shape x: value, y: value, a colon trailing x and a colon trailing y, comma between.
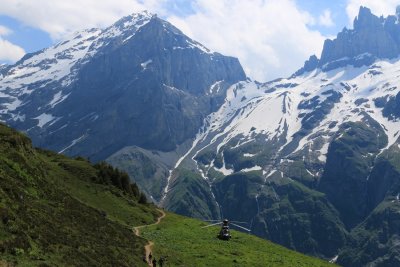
x: 138, y: 82
x: 310, y: 161
x: 58, y: 211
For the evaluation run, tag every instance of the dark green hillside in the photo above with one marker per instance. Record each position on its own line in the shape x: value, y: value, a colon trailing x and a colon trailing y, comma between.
x: 376, y: 240
x: 349, y: 160
x: 56, y: 211
x: 287, y: 212
x: 191, y: 195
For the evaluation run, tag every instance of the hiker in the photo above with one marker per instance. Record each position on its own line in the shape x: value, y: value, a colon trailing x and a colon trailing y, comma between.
x: 154, y: 262
x: 150, y: 256
x: 161, y: 261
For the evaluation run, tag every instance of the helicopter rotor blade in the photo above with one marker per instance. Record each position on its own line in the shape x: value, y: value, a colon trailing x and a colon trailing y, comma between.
x: 211, y: 225
x: 248, y: 230
x: 238, y: 222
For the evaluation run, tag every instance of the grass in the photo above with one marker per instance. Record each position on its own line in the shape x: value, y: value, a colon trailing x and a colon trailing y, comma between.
x: 185, y: 243
x: 115, y: 204
x: 52, y: 213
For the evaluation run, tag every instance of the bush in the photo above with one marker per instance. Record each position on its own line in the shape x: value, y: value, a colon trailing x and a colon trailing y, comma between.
x: 112, y: 176
x: 142, y: 199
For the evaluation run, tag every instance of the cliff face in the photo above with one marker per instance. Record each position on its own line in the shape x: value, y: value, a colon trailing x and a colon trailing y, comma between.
x: 140, y: 82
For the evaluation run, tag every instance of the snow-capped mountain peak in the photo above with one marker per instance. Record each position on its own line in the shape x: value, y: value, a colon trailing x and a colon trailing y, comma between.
x: 123, y: 29
x: 48, y: 66
x: 372, y: 38
x: 56, y: 64
x: 51, y: 64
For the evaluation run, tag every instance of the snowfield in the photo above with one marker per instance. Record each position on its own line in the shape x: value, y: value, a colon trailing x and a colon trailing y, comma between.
x: 277, y: 109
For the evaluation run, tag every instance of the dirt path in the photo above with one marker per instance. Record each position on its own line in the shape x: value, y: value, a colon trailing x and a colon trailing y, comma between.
x: 149, y: 245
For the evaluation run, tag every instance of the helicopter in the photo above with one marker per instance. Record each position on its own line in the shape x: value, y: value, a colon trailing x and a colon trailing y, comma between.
x: 224, y: 233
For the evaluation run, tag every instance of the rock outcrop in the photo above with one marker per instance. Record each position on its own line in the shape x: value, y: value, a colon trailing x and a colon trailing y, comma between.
x: 370, y: 39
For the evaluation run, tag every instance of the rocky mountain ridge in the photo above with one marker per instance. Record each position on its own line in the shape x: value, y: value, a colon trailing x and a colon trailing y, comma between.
x: 371, y: 38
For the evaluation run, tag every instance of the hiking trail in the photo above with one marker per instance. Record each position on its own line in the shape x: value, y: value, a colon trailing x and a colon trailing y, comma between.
x: 149, y: 245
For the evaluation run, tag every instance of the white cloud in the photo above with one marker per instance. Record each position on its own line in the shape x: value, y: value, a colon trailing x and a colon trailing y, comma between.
x: 60, y: 18
x: 9, y: 51
x: 325, y: 19
x: 381, y: 7
x: 4, y: 30
x: 270, y: 37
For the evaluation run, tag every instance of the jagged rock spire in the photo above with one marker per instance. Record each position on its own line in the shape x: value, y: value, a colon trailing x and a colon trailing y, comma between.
x: 371, y: 38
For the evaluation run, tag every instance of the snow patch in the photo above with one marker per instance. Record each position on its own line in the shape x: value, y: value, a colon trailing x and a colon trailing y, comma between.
x: 255, y: 168
x: 57, y: 99
x: 323, y: 152
x: 194, y: 44
x: 74, y: 142
x: 43, y: 119
x: 146, y: 63
x: 13, y: 105
x: 334, y: 259
x: 310, y: 173
x: 215, y: 88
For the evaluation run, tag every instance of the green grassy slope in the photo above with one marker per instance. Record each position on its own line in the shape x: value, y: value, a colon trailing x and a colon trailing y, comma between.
x: 187, y: 244
x: 56, y: 211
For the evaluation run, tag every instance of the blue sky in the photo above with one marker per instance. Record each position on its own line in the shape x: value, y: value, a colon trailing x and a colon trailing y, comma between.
x: 271, y: 38
x: 338, y: 14
x: 29, y: 38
